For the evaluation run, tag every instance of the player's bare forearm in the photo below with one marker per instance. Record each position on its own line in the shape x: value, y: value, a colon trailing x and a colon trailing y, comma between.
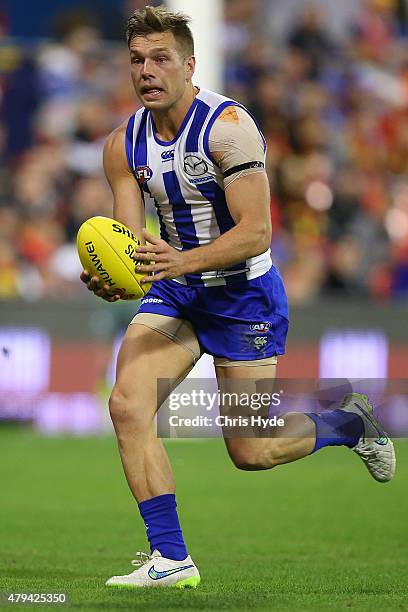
x: 248, y: 200
x: 238, y: 244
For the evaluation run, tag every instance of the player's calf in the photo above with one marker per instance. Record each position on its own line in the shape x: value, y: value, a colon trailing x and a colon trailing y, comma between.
x: 274, y: 446
x: 252, y: 454
x: 244, y: 458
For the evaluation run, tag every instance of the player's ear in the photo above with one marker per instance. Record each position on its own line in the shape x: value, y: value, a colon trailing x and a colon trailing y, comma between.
x: 190, y: 63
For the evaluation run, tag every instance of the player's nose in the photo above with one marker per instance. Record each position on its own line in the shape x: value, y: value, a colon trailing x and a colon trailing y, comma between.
x: 147, y: 69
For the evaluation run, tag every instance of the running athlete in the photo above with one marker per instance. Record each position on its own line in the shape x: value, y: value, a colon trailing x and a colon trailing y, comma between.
x: 200, y: 157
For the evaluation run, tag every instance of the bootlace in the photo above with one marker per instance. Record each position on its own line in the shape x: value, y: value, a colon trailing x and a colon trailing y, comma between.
x: 141, y: 559
x: 366, y: 451
x: 345, y: 400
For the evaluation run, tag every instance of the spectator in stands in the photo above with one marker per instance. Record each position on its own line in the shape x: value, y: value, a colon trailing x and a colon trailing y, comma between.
x: 310, y: 38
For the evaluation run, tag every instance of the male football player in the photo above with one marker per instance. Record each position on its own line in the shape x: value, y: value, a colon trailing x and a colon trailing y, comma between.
x: 200, y: 158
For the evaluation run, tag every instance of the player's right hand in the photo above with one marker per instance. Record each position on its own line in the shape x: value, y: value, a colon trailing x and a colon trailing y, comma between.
x: 93, y: 284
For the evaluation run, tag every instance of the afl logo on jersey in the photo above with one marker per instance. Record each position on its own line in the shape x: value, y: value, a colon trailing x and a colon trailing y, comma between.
x: 261, y: 327
x: 143, y: 174
x: 195, y: 166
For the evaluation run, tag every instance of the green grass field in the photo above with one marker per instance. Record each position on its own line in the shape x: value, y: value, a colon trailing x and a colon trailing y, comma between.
x: 314, y: 535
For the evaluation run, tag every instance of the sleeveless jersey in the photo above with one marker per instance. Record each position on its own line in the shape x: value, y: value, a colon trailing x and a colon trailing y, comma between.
x: 186, y: 186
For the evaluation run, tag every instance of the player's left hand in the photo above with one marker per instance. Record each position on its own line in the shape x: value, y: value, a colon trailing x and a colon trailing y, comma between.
x: 168, y: 262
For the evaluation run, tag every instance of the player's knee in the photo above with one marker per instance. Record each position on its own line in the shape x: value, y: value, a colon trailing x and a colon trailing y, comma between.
x: 119, y: 408
x: 126, y: 412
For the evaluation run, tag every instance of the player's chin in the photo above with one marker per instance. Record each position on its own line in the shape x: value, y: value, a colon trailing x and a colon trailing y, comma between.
x: 159, y: 102
x: 157, y: 105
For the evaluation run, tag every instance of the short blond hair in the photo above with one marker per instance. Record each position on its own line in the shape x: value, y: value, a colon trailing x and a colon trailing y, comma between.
x: 160, y: 19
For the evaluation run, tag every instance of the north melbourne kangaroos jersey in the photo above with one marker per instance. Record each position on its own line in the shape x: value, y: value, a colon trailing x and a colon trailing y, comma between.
x: 186, y: 186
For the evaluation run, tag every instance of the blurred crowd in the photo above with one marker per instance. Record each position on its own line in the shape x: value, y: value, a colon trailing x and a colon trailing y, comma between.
x: 334, y: 111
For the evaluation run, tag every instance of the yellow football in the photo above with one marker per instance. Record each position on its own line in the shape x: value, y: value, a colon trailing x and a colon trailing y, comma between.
x: 107, y: 249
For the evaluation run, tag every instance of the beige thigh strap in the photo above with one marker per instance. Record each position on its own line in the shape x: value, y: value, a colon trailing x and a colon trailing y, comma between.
x: 227, y: 363
x: 178, y: 330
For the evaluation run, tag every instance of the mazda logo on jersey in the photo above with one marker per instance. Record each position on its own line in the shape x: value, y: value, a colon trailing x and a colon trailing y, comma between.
x: 195, y: 166
x: 143, y: 173
x: 167, y: 155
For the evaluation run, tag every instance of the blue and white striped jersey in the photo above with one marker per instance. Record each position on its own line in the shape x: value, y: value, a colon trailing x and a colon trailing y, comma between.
x: 186, y: 186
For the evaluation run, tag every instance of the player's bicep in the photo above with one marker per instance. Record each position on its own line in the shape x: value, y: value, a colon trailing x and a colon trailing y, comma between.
x: 128, y: 206
x: 239, y: 150
x: 236, y: 145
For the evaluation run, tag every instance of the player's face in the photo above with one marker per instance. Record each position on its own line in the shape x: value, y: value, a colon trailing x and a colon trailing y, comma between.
x: 159, y: 71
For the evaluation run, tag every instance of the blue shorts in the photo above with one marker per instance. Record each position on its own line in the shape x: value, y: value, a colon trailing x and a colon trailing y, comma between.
x: 243, y: 321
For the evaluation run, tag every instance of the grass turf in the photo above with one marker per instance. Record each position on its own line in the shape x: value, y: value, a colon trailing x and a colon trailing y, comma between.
x: 318, y: 534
